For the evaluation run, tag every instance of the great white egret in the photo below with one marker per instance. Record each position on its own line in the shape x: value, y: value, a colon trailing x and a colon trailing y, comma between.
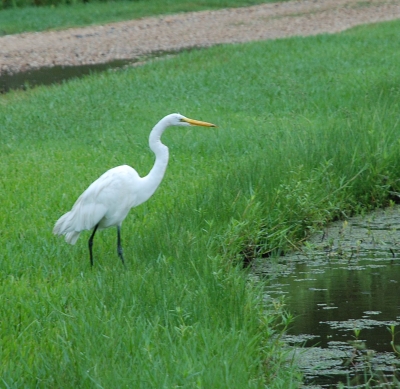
x: 107, y: 201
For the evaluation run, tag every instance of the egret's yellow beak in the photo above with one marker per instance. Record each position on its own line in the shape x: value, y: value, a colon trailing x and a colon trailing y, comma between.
x: 197, y: 122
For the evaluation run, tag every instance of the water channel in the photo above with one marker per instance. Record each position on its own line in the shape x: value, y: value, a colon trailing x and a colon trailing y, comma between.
x: 344, y: 290
x: 58, y: 74
x: 54, y: 75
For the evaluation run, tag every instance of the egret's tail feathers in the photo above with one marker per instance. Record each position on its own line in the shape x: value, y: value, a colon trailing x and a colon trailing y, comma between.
x: 64, y: 226
x: 72, y: 237
x: 78, y: 219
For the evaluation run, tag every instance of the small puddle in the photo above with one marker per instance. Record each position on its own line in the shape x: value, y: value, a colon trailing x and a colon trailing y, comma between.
x: 58, y: 74
x: 344, y: 290
x: 54, y: 75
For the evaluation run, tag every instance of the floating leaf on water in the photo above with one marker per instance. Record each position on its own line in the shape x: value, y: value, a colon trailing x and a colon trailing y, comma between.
x: 359, y: 324
x: 313, y: 359
x: 372, y: 312
x: 353, y: 267
x: 298, y: 339
x: 305, y: 279
x: 344, y: 346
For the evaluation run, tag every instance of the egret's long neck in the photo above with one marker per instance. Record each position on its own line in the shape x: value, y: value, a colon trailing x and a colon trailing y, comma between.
x: 154, y: 178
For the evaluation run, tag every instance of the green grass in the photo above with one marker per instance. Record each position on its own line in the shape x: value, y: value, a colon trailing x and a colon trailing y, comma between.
x: 308, y: 130
x: 17, y: 20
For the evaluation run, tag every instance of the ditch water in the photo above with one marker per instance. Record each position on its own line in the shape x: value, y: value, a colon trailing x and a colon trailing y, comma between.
x: 54, y: 75
x: 58, y: 74
x: 344, y: 290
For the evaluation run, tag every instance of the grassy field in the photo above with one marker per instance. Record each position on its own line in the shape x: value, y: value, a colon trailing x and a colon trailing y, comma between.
x: 308, y: 131
x: 16, y: 20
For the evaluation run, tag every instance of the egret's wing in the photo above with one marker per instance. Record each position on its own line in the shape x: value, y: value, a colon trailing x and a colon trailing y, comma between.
x: 104, y: 195
x: 83, y: 216
x: 87, y: 210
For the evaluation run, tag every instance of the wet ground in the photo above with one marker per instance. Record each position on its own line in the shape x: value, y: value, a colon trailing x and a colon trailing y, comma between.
x: 54, y: 75
x: 344, y: 290
x: 59, y: 74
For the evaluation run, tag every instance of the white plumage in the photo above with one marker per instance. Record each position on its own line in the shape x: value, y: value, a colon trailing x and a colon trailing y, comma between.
x: 107, y: 201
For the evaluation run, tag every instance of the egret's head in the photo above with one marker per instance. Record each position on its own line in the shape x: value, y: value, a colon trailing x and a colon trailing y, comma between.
x: 177, y: 119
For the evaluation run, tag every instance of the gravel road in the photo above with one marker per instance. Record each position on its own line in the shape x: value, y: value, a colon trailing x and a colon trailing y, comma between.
x: 135, y: 38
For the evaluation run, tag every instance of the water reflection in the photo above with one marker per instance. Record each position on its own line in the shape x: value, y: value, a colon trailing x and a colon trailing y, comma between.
x: 344, y: 289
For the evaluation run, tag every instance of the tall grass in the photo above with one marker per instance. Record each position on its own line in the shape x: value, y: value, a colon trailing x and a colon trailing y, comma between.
x: 18, y: 16
x: 308, y: 130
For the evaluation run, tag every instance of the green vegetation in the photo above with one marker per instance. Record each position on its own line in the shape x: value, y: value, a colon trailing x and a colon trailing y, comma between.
x: 308, y: 130
x: 59, y: 14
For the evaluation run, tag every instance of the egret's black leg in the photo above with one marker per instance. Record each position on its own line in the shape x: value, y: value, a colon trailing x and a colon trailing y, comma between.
x: 91, y: 244
x: 119, y: 246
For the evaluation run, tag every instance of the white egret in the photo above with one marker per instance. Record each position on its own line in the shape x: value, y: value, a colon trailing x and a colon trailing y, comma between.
x: 107, y: 201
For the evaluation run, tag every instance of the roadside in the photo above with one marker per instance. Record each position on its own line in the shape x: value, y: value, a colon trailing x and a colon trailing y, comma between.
x: 133, y: 39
